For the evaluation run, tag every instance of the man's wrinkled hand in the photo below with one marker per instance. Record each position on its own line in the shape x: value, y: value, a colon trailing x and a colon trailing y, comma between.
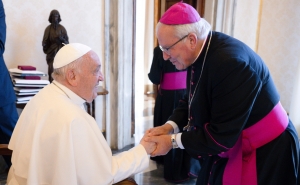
x: 149, y: 146
x: 160, y: 130
x: 163, y: 144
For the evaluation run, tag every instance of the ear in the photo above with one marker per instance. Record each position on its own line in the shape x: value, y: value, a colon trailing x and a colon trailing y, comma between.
x: 192, y: 40
x: 72, y: 77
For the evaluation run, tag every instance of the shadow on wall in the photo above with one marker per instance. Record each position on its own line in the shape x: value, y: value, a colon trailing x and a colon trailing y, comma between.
x: 295, y: 104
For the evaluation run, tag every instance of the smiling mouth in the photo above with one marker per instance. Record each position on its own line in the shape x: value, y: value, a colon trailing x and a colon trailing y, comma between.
x: 173, y: 62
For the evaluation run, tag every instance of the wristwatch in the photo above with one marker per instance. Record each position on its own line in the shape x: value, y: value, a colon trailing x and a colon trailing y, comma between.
x: 173, y: 140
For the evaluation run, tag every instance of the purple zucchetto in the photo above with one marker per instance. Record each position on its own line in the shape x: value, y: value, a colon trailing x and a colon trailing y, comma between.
x: 180, y: 13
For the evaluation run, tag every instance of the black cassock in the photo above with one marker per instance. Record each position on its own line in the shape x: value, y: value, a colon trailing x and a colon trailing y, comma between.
x: 178, y: 165
x: 235, y: 91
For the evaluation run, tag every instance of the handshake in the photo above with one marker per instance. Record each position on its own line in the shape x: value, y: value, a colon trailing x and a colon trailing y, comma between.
x: 157, y: 140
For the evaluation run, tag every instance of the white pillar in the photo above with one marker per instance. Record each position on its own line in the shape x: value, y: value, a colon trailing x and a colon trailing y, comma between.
x: 118, y: 71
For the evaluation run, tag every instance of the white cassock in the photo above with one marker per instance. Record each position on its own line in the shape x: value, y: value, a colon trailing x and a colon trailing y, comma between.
x: 56, y: 142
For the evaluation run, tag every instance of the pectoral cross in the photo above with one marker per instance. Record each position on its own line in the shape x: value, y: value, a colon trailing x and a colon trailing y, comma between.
x: 188, y: 127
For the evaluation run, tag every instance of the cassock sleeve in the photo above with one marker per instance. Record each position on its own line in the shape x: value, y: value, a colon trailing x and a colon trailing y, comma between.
x: 180, y: 114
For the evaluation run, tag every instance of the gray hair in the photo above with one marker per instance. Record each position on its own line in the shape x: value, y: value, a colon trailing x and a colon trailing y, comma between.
x: 200, y: 28
x: 59, y: 74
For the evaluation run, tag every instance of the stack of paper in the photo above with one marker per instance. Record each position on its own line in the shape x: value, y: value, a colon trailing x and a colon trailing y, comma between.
x: 27, y: 83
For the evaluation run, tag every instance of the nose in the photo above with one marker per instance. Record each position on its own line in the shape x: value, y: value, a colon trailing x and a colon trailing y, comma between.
x: 101, y: 77
x: 166, y: 56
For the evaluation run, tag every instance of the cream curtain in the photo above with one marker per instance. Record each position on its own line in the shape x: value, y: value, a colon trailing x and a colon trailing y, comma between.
x: 144, y: 52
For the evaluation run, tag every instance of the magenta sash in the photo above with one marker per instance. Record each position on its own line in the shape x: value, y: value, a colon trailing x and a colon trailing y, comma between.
x: 241, y: 165
x: 174, y: 81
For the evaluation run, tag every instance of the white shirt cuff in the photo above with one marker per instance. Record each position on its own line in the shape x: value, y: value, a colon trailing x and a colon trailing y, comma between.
x: 178, y: 140
x: 174, y: 125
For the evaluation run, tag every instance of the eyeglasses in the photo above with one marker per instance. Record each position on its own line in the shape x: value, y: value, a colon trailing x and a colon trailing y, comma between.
x: 166, y: 50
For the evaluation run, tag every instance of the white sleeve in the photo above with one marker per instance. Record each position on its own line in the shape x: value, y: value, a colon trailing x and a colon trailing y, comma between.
x: 178, y: 140
x: 95, y: 162
x: 174, y: 125
x: 129, y: 162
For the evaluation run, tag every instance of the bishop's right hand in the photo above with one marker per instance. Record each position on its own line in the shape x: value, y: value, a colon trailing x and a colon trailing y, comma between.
x: 160, y: 130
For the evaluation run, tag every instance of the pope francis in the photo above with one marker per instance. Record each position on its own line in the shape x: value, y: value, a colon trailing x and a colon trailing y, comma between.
x: 56, y: 142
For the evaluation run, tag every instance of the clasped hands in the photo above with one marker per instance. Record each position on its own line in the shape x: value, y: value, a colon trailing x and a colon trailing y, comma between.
x: 160, y: 140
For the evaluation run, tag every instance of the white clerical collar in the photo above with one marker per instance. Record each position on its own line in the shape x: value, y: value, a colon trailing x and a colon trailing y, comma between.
x: 73, y: 97
x: 201, y: 48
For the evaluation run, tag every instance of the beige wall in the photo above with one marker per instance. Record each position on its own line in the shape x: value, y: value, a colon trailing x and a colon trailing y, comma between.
x: 247, y: 22
x: 27, y: 20
x: 271, y: 28
x: 104, y: 25
x: 279, y: 43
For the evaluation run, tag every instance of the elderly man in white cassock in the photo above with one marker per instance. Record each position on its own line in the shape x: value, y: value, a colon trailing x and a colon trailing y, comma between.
x: 57, y: 142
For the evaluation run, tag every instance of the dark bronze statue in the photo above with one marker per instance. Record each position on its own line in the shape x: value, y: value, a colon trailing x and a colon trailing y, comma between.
x: 55, y: 36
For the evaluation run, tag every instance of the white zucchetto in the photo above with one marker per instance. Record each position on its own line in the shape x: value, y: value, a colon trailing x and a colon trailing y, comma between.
x: 69, y: 53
